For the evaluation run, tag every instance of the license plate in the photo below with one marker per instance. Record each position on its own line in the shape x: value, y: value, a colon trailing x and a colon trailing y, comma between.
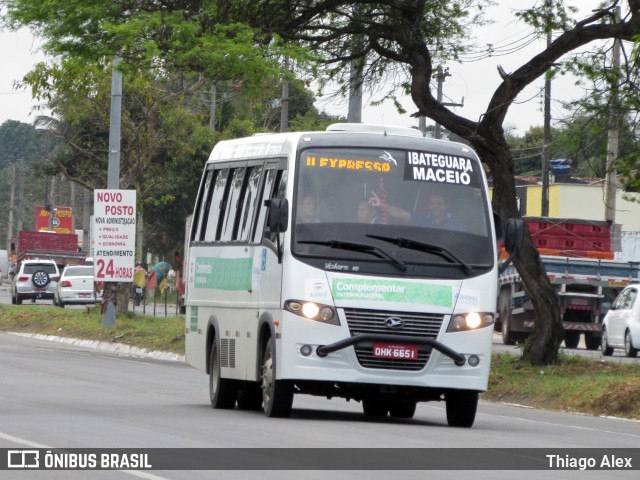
x: 84, y: 295
x: 395, y: 352
x: 579, y: 301
x: 138, y: 289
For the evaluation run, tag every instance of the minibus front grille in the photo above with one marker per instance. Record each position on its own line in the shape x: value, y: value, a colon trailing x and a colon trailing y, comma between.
x: 423, y: 325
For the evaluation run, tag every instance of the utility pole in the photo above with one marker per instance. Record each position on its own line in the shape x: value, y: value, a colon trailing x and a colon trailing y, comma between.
x: 51, y: 202
x: 11, y: 208
x: 544, y: 207
x: 440, y: 76
x: 355, y: 95
x: 72, y: 198
x: 212, y: 109
x: 86, y: 221
x: 113, y: 178
x: 284, y: 101
x: 547, y: 139
x: 113, y: 169
x: 20, y: 210
x: 613, y: 136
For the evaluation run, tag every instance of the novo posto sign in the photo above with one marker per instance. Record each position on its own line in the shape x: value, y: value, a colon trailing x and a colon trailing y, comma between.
x: 114, y: 234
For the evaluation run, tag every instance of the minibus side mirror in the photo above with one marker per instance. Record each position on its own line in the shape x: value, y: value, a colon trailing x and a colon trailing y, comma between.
x: 278, y: 220
x: 514, y: 236
x: 278, y: 214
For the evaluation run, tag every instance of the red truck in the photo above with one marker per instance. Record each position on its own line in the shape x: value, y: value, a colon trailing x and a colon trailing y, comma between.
x: 60, y: 247
x: 578, y: 258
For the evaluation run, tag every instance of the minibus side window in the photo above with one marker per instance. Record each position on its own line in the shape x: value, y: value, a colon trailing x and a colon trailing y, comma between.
x: 249, y: 200
x: 216, y: 205
x: 233, y: 202
x: 202, y: 212
x: 265, y: 194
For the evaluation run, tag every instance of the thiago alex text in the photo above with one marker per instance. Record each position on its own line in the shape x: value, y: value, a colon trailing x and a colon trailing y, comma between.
x: 589, y: 463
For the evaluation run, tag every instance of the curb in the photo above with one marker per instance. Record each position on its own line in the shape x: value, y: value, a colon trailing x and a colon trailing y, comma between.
x: 117, y: 348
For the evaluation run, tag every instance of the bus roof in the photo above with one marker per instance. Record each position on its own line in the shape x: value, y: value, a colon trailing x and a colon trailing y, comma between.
x: 276, y: 144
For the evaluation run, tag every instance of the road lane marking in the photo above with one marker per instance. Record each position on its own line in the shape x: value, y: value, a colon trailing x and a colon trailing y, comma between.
x: 29, y: 443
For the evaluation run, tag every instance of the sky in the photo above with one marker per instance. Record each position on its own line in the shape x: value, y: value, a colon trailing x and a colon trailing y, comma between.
x: 19, y: 52
x: 474, y: 81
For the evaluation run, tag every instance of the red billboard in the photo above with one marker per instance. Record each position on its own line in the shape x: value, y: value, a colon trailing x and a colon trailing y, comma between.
x: 61, y: 220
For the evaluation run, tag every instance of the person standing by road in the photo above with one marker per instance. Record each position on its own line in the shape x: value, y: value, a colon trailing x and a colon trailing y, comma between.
x: 139, y: 282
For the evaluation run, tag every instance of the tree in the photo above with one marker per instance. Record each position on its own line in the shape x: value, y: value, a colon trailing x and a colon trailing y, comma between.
x: 166, y: 97
x: 23, y: 147
x: 413, y: 34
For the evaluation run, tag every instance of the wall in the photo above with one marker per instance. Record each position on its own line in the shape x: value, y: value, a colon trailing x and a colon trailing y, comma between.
x: 584, y: 202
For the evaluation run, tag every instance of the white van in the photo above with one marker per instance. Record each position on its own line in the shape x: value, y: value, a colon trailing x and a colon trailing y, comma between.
x: 293, y: 290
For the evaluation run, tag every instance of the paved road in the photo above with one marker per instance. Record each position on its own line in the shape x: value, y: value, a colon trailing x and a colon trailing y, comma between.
x: 56, y: 395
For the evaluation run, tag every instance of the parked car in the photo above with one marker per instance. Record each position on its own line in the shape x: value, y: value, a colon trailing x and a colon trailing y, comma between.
x: 621, y: 325
x: 76, y: 286
x: 34, y: 279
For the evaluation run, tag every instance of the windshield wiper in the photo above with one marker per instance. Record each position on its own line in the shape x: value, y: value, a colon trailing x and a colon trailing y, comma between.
x: 359, y: 247
x: 428, y: 248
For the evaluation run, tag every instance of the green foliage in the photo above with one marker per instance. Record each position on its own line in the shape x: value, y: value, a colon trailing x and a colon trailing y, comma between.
x: 21, y: 141
x: 209, y: 38
x: 171, y: 57
x: 572, y: 384
x: 548, y: 15
x: 142, y: 331
x: 22, y: 151
x: 313, y: 120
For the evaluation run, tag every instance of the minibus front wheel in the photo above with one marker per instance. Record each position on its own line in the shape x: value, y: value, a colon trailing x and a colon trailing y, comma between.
x: 277, y: 395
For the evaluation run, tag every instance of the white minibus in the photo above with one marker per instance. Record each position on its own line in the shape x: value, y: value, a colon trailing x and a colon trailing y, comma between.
x: 358, y: 262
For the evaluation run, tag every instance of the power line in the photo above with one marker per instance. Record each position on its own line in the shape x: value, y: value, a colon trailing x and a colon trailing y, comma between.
x: 492, y: 51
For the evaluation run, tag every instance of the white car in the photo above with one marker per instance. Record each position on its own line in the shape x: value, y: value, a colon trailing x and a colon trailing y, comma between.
x: 34, y: 279
x: 76, y: 286
x: 621, y: 325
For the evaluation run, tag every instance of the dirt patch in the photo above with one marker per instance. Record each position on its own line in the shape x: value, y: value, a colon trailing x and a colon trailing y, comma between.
x: 620, y: 400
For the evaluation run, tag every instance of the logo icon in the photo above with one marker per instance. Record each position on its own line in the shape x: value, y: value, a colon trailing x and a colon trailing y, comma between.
x: 387, y: 157
x: 23, y: 459
x: 394, y: 323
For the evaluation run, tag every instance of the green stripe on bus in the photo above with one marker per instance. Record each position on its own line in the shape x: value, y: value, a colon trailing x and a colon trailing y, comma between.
x: 223, y: 273
x: 392, y: 291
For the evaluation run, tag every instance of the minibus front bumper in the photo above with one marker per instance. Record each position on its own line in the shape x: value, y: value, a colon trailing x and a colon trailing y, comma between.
x: 324, y: 350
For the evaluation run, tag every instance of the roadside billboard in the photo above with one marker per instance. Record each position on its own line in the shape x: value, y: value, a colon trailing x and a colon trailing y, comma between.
x: 114, y: 234
x: 62, y: 220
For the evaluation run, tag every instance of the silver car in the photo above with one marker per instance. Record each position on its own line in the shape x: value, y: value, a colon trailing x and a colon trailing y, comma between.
x: 34, y: 279
x: 621, y: 325
x: 76, y: 286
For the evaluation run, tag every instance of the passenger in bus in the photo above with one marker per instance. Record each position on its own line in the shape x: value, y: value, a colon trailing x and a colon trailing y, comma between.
x: 439, y: 214
x: 365, y: 213
x: 306, y: 212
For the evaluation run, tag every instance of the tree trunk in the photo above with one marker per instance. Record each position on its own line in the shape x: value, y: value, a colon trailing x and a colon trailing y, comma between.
x: 123, y: 291
x: 543, y: 344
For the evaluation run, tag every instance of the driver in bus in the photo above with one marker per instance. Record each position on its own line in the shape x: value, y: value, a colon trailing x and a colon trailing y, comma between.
x: 306, y: 212
x: 439, y: 214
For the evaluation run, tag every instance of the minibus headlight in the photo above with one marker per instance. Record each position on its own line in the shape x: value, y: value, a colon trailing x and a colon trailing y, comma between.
x: 473, y: 320
x: 312, y: 311
x: 469, y: 321
x: 326, y: 314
